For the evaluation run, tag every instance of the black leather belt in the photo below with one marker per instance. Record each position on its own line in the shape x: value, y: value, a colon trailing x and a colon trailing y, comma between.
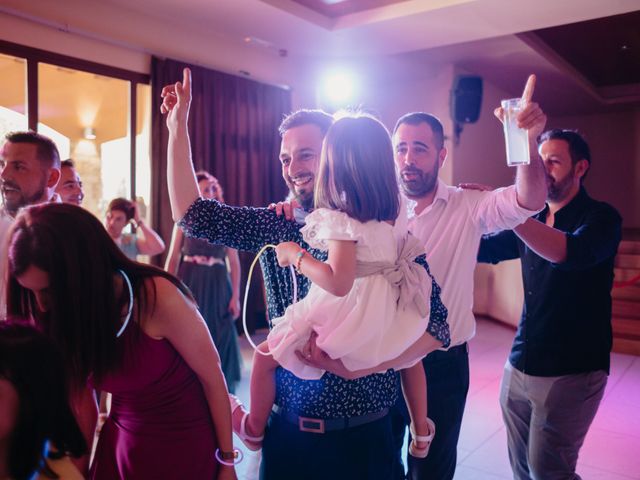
x: 461, y: 349
x: 456, y: 351
x: 321, y: 425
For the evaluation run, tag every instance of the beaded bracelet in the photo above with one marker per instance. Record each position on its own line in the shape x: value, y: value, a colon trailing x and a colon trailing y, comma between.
x: 299, y: 256
x: 236, y: 457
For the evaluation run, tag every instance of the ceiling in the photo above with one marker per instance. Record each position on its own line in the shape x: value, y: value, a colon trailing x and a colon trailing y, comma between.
x: 582, y: 63
x: 339, y: 8
x: 606, y: 51
x: 376, y: 27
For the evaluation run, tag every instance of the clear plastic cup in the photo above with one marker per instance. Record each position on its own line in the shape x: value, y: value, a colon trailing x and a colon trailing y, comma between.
x: 516, y: 139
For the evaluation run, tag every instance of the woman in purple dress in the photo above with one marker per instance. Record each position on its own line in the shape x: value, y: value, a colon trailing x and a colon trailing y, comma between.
x: 129, y: 329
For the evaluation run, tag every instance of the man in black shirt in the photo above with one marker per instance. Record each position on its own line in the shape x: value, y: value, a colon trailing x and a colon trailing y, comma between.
x: 557, y: 370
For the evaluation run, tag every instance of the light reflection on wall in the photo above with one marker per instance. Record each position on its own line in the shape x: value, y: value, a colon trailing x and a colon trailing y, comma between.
x: 11, y: 121
x: 63, y: 143
x: 115, y: 169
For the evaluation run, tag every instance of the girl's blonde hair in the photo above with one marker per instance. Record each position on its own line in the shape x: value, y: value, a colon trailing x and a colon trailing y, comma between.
x: 357, y: 171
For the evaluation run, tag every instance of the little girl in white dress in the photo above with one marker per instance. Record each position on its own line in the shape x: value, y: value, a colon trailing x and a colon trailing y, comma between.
x: 369, y: 302
x: 383, y: 313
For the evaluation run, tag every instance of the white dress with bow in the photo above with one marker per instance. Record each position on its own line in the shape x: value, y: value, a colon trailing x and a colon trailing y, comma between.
x: 385, y: 312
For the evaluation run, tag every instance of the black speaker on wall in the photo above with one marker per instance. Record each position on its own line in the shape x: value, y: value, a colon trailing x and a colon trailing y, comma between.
x: 466, y: 99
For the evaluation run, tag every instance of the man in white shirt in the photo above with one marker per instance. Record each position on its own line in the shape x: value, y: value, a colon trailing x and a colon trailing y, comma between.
x: 29, y: 173
x: 450, y: 222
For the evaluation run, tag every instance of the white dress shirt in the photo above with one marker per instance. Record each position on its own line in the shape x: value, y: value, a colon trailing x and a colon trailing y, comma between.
x: 6, y: 221
x: 450, y: 229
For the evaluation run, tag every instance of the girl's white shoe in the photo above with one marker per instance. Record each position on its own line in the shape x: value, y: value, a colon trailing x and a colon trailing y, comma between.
x: 414, y: 451
x: 252, y: 443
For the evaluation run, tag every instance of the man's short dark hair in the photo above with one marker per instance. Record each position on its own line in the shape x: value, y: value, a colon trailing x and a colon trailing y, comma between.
x: 47, y: 151
x: 68, y: 163
x: 416, y: 118
x: 578, y: 146
x: 319, y: 118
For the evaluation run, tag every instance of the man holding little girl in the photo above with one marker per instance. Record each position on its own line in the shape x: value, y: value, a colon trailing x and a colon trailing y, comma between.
x: 333, y: 427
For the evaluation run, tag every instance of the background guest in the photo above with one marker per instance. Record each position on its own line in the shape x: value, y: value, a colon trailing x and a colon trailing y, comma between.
x: 202, y: 267
x: 38, y: 432
x: 70, y: 185
x: 30, y: 170
x: 557, y: 370
x: 145, y: 241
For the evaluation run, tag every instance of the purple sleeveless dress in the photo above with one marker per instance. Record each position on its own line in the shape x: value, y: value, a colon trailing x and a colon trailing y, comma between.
x: 159, y: 426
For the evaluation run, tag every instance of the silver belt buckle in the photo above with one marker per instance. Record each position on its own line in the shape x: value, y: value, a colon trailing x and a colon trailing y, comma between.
x: 313, y: 425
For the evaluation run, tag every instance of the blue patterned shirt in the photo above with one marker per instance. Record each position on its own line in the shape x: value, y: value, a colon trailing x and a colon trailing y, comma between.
x: 249, y: 229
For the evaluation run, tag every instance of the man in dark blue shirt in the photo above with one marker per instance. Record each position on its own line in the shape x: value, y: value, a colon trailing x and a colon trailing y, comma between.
x: 557, y: 370
x: 320, y: 429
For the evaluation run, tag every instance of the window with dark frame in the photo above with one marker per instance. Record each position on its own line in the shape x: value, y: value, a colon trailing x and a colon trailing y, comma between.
x: 133, y: 117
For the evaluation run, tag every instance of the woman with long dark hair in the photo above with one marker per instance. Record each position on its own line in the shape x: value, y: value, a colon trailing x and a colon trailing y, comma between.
x: 129, y: 329
x: 38, y: 432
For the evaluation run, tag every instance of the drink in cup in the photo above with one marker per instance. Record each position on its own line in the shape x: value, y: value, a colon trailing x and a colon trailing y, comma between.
x: 516, y: 139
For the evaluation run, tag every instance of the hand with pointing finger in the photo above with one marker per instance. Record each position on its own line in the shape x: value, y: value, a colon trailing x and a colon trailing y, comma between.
x: 531, y: 118
x: 176, y: 100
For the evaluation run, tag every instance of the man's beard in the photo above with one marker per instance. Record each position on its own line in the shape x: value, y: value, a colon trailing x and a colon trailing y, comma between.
x: 559, y: 189
x: 423, y: 185
x: 304, y: 198
x: 12, y: 206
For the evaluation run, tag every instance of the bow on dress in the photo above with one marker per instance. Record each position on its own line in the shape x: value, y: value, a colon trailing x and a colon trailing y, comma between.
x: 405, y: 274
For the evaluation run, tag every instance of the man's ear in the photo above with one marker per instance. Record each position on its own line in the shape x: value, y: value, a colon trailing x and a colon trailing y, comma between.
x: 54, y: 177
x: 581, y: 168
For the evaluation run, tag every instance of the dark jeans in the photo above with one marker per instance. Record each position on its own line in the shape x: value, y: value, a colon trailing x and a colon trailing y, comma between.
x: 447, y: 387
x: 365, y: 452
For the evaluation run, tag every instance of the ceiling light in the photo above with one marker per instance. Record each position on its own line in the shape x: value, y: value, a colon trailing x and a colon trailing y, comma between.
x: 89, y: 133
x: 338, y: 87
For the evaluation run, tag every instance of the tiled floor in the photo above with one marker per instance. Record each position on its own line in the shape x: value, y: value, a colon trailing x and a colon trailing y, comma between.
x: 612, y: 447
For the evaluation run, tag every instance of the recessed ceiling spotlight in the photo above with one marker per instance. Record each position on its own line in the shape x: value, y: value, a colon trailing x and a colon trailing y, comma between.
x: 258, y: 42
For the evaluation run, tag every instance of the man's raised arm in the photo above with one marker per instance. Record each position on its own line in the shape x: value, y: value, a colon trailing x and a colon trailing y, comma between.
x: 181, y: 177
x: 531, y: 185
